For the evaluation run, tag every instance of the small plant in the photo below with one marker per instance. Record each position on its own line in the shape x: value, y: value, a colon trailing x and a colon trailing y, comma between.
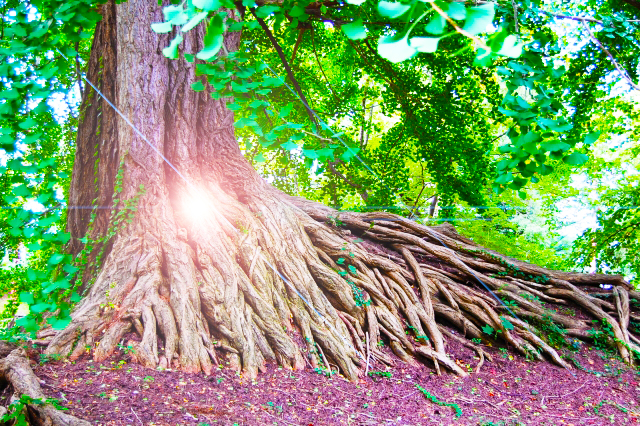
x: 417, y: 333
x: 44, y: 358
x: 148, y: 379
x: 476, y: 340
x: 335, y: 221
x: 487, y: 329
x: 511, y: 269
x: 15, y: 410
x: 532, y: 298
x: 126, y: 349
x: 552, y: 332
x: 324, y: 371
x: 603, y: 339
x: 435, y: 400
x: 386, y: 374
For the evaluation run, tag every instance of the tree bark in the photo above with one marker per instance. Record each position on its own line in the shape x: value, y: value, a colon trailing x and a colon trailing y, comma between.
x: 215, y: 262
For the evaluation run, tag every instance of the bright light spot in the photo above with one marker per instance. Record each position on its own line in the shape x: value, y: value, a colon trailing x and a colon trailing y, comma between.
x: 196, y: 209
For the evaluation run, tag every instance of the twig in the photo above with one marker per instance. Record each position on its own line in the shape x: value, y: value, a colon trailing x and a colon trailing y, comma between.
x: 134, y: 413
x: 573, y: 391
x: 407, y: 396
x: 366, y: 371
x: 285, y: 63
x: 313, y: 44
x: 621, y: 70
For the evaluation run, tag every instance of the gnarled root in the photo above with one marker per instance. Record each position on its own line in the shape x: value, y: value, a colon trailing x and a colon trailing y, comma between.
x: 15, y: 369
x: 284, y: 273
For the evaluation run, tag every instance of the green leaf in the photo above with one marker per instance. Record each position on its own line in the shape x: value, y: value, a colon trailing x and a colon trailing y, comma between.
x: 457, y: 11
x: 207, y: 4
x: 297, y: 11
x: 75, y: 297
x: 56, y: 258
x: 213, y: 39
x: 506, y: 323
x: 479, y: 18
x: 575, y: 159
x: 171, y: 51
x: 259, y: 158
x: 424, y: 44
x: 211, y: 49
x: 27, y: 124
x: 26, y: 297
x: 266, y: 10
x: 355, y: 2
x: 21, y: 191
x: 436, y: 25
x: 487, y: 329
x: 39, y: 308
x: 340, y: 261
x: 195, y: 20
x: 162, y: 27
x: 591, y: 138
x: 59, y: 323
x: 70, y: 269
x: 349, y: 154
x: 197, y: 86
x: 555, y: 145
x: 511, y: 47
x: 310, y: 153
x: 505, y: 178
x: 394, y: 49
x: 352, y: 269
x: 358, y: 240
x: 28, y: 323
x: 289, y: 146
x: 9, y: 94
x: 392, y: 9
x: 285, y: 110
x: 355, y: 30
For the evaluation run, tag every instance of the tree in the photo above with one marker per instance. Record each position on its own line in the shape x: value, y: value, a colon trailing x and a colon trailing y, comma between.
x: 203, y: 258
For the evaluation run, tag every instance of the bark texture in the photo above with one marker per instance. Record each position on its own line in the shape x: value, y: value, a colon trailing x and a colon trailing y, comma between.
x: 229, y: 280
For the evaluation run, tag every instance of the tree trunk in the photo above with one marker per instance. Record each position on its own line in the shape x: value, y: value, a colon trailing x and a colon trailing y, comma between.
x: 219, y: 266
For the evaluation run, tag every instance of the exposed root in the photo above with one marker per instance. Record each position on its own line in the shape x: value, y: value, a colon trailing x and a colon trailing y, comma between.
x: 15, y: 369
x: 211, y: 292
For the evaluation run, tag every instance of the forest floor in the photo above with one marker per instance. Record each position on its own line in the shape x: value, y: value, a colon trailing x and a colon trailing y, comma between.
x: 509, y: 391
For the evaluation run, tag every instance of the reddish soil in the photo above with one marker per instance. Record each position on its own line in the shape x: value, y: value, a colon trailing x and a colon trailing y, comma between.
x: 509, y: 391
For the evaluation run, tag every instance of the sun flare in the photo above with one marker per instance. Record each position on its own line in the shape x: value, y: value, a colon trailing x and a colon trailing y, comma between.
x: 196, y: 209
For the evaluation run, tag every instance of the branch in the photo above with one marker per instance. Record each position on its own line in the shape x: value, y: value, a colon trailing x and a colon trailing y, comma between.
x: 621, y: 70
x: 295, y: 48
x: 285, y: 63
x: 315, y: 52
x: 359, y: 187
x: 515, y: 14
